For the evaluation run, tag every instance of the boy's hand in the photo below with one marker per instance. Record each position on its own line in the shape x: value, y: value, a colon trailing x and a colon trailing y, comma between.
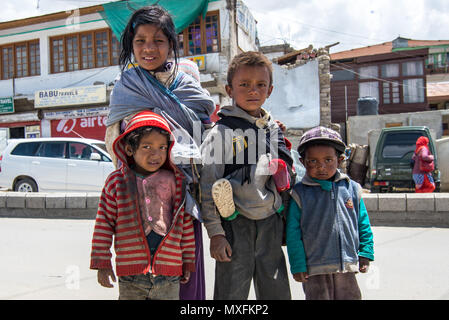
x: 103, y: 277
x: 281, y: 125
x: 363, y: 264
x: 220, y: 249
x: 300, y: 276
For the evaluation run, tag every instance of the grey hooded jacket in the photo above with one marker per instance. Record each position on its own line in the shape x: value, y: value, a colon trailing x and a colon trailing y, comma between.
x: 256, y: 199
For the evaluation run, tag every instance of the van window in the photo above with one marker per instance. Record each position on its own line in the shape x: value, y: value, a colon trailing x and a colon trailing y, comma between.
x: 52, y: 150
x: 26, y: 149
x: 399, y: 145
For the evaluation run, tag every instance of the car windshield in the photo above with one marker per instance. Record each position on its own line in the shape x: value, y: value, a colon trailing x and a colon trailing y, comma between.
x: 399, y: 144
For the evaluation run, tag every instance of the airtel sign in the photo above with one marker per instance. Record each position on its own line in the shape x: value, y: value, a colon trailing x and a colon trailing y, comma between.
x: 90, y: 127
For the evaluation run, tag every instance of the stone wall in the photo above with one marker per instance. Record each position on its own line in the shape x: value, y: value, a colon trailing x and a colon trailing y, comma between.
x: 400, y: 209
x: 408, y: 209
x: 49, y: 205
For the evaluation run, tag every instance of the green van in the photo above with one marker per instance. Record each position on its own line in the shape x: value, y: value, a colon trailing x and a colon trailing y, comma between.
x: 391, y: 170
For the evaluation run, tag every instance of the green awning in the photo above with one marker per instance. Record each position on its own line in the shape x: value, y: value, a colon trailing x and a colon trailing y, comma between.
x: 116, y: 14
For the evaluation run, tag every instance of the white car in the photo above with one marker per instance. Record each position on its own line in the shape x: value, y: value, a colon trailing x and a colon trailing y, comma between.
x: 55, y: 164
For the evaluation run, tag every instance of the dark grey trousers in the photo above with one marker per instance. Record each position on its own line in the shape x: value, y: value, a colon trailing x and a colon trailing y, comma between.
x: 256, y: 255
x: 148, y: 287
x: 335, y: 286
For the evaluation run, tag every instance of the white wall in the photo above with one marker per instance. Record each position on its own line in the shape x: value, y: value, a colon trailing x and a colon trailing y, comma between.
x: 296, y: 96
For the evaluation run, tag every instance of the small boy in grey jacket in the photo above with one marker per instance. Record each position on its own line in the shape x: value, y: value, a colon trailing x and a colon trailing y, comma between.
x: 329, y: 236
x: 241, y: 193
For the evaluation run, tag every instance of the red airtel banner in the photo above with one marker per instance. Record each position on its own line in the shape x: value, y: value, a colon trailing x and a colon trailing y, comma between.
x: 89, y: 127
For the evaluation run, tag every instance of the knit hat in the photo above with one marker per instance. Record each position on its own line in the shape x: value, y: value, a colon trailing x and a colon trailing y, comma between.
x: 322, y: 135
x: 141, y: 119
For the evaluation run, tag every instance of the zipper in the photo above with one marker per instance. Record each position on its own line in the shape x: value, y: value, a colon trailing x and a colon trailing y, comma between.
x: 334, y: 197
x: 168, y: 232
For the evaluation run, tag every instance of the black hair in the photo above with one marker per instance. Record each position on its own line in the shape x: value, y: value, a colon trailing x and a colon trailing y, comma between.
x: 319, y: 143
x: 251, y: 59
x: 147, y: 15
x: 133, y: 138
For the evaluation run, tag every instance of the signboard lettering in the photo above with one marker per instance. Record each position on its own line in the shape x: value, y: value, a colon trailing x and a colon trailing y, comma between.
x: 70, y: 96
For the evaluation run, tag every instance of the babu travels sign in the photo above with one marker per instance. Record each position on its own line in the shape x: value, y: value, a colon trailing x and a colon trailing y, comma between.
x: 70, y: 96
x: 6, y: 105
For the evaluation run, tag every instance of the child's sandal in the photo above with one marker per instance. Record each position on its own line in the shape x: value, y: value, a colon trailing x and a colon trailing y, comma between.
x: 222, y: 195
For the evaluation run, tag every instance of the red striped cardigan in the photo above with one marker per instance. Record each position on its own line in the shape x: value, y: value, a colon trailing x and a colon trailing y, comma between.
x: 118, y: 216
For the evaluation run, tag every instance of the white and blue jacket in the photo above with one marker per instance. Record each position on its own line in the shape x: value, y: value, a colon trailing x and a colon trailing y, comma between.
x: 328, y: 226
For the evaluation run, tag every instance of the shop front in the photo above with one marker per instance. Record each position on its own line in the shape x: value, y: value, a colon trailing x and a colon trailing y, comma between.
x: 73, y: 112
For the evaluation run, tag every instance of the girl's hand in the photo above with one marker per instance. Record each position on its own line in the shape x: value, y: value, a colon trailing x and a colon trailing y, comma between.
x: 103, y: 277
x: 185, y: 277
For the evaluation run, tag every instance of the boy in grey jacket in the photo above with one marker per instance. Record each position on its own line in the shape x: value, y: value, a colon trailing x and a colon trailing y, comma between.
x: 329, y: 236
x: 241, y: 202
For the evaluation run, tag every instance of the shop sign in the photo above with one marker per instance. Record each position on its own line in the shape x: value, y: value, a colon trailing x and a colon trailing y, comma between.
x: 70, y: 96
x: 6, y: 105
x: 76, y: 113
x: 89, y: 127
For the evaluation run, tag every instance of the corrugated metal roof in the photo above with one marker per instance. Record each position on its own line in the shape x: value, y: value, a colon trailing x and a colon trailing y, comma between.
x: 381, y: 48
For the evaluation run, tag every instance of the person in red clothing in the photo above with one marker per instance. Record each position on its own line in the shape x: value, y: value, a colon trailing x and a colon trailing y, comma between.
x: 423, y: 179
x: 141, y: 207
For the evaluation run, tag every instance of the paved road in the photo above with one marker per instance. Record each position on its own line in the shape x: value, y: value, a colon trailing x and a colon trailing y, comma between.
x: 49, y: 259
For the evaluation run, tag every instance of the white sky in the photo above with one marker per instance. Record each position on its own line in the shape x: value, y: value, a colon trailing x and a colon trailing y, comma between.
x: 353, y: 23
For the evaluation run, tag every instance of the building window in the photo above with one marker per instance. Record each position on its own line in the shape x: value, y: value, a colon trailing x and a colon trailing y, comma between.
x: 412, y: 68
x: 438, y: 60
x: 115, y: 50
x: 391, y: 92
x: 87, y: 50
x: 20, y: 60
x: 342, y: 75
x: 413, y: 90
x: 57, y: 55
x: 201, y: 36
x: 7, y: 63
x: 72, y: 53
x: 390, y: 70
x: 369, y: 72
x: 102, y: 48
x: 369, y: 89
x: 35, y: 59
x: 212, y: 33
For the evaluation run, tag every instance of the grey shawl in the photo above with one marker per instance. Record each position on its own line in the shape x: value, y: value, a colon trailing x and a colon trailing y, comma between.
x: 137, y: 90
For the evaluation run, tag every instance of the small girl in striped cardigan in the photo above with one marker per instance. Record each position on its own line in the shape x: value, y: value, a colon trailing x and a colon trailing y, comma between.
x: 142, y: 208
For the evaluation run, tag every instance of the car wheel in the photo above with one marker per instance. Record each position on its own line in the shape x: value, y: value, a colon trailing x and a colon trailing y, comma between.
x: 25, y: 185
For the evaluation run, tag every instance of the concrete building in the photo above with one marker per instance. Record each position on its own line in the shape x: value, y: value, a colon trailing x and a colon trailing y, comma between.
x: 57, y: 70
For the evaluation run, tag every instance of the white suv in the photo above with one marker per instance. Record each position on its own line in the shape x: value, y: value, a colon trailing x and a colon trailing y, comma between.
x: 54, y: 164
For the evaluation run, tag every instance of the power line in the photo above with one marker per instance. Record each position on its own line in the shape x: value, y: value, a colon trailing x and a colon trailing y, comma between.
x: 325, y: 29
x: 339, y: 65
